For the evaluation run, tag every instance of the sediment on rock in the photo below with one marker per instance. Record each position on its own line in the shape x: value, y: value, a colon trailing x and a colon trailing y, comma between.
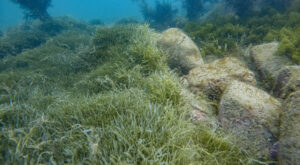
x: 289, y: 146
x: 268, y: 63
x: 182, y: 53
x: 252, y: 115
x: 213, y: 78
x: 288, y: 81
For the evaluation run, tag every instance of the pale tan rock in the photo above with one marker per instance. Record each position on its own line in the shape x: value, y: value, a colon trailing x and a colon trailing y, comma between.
x: 212, y: 79
x: 200, y: 111
x: 268, y: 63
x: 183, y: 54
x: 288, y: 81
x: 252, y: 115
x: 289, y: 140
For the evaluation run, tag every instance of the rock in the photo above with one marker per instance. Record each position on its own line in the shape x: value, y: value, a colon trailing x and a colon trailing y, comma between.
x: 198, y: 115
x: 267, y: 63
x: 252, y: 115
x: 212, y: 79
x: 289, y: 146
x: 199, y: 109
x: 288, y: 81
x: 182, y: 52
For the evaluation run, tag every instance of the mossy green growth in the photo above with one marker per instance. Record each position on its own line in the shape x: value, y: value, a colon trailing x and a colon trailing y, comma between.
x: 215, y: 39
x: 221, y: 35
x: 126, y: 108
x: 32, y: 34
x: 289, y: 44
x: 107, y: 39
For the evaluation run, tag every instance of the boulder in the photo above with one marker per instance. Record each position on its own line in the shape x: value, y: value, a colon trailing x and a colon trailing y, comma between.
x: 289, y: 140
x: 288, y: 81
x: 199, y: 110
x: 268, y: 63
x: 252, y: 115
x: 212, y: 79
x: 182, y: 53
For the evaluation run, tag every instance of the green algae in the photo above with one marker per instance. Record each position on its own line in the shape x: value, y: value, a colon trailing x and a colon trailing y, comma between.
x: 223, y: 35
x: 112, y: 100
x: 30, y: 35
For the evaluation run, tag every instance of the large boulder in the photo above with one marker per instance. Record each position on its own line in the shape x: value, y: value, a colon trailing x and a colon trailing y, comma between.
x: 252, y: 115
x: 212, y: 79
x: 183, y: 54
x: 289, y: 146
x: 268, y: 63
x: 288, y: 81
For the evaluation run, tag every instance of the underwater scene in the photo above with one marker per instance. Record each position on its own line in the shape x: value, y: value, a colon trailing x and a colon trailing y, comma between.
x: 208, y: 82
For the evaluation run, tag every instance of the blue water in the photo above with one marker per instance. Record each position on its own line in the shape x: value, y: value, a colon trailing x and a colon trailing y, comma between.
x: 106, y: 10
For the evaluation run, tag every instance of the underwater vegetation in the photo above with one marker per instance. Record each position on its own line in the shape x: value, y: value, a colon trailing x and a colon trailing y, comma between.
x: 107, y: 98
x: 39, y: 27
x: 280, y: 5
x: 246, y: 7
x: 31, y: 34
x: 98, y: 22
x: 161, y: 16
x: 194, y: 8
x: 74, y: 92
x: 34, y: 9
x: 290, y: 44
x: 126, y: 21
x: 218, y: 34
x: 242, y: 8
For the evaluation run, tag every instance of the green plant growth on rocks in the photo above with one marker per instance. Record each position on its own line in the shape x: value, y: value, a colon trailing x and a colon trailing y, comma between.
x: 126, y: 108
x: 32, y: 34
x: 290, y: 44
x: 216, y: 39
x: 15, y: 42
x: 220, y: 34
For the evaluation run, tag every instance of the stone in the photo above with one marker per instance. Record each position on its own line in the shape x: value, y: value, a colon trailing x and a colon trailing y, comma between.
x: 199, y: 110
x: 288, y: 81
x: 289, y: 140
x: 212, y: 79
x: 268, y: 63
x: 252, y: 115
x: 182, y: 53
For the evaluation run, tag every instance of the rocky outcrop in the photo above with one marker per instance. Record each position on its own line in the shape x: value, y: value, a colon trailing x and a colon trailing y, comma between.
x: 252, y: 114
x: 212, y: 79
x: 267, y: 63
x: 199, y: 109
x: 182, y: 52
x: 289, y: 146
x: 288, y: 81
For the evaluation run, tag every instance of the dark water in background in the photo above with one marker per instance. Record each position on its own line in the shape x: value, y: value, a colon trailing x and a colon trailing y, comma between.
x: 106, y: 10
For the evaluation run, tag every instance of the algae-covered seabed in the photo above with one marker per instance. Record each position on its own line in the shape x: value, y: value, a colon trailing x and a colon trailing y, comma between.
x: 74, y: 93
x: 102, y: 96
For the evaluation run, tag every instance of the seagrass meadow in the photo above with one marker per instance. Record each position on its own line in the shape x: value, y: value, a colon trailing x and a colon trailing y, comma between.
x: 208, y: 82
x: 107, y: 98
